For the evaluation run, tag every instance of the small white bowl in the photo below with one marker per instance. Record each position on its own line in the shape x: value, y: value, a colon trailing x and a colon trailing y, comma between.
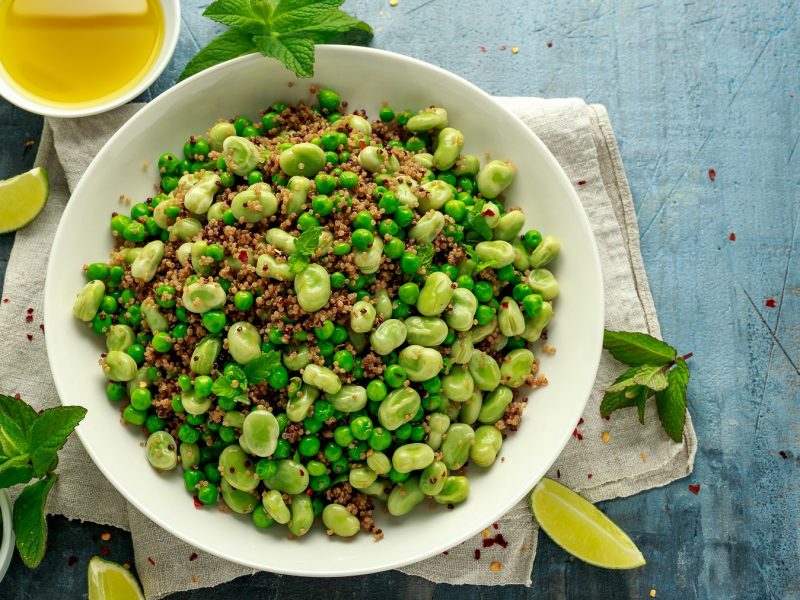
x: 7, y: 538
x: 171, y: 10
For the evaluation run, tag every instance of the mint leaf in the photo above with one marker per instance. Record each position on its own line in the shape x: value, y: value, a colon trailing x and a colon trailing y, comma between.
x: 239, y: 14
x: 30, y: 525
x: 476, y: 221
x: 262, y: 366
x: 295, y: 51
x: 360, y: 35
x: 480, y: 264
x: 641, y: 396
x: 49, y: 433
x: 637, y: 349
x: 308, y: 241
x: 290, y: 13
x: 18, y: 411
x: 13, y: 440
x: 229, y: 44
x: 297, y: 263
x: 242, y: 399
x: 425, y: 255
x: 15, y: 470
x: 222, y: 387
x: 652, y: 377
x: 671, y: 401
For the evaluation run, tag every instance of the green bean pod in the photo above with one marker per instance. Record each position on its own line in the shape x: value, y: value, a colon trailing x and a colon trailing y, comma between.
x: 398, y: 407
x: 457, y: 443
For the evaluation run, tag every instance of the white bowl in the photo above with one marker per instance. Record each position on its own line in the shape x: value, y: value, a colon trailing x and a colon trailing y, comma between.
x: 365, y: 78
x: 171, y: 10
x: 7, y: 537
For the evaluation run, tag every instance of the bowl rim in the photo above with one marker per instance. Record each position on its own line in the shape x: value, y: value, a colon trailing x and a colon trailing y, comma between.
x: 501, y: 507
x: 172, y: 18
x: 7, y: 540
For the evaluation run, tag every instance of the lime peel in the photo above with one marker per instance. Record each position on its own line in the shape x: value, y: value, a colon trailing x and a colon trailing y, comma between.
x: 22, y: 198
x: 110, y: 581
x: 581, y: 529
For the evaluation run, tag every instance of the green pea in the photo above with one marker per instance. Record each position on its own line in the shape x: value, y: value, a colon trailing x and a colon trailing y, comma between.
x: 435, y: 295
x: 432, y: 478
x: 340, y: 521
x: 399, y: 407
x: 404, y: 497
x: 454, y: 491
x: 484, y: 370
x: 494, y: 178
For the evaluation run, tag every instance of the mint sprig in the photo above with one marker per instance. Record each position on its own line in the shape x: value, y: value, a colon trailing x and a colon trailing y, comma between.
x: 284, y: 29
x: 656, y: 370
x: 304, y: 248
x: 30, y: 443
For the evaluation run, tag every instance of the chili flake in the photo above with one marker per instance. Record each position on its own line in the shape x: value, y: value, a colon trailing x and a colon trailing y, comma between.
x: 732, y: 237
x: 581, y: 182
x: 712, y: 174
x: 770, y: 303
x: 197, y: 504
x: 496, y: 566
x: 783, y: 454
x: 589, y: 475
x: 5, y: 300
x: 151, y: 561
x: 558, y: 473
x: 105, y: 550
x: 694, y: 488
x: 477, y: 554
x: 549, y: 43
x: 483, y: 48
x: 29, y: 336
x: 193, y: 556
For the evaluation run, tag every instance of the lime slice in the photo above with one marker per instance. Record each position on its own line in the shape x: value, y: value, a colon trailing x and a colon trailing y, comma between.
x: 581, y: 529
x: 110, y: 581
x: 22, y: 198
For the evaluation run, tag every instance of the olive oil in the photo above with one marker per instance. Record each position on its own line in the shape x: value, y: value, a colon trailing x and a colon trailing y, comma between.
x: 78, y: 52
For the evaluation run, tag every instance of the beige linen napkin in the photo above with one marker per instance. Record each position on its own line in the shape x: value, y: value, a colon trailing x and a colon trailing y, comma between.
x: 603, y: 460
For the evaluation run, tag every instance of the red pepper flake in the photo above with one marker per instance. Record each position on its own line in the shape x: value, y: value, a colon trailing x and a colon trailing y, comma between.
x: 732, y: 236
x: 309, y: 492
x: 30, y: 311
x: 29, y: 319
x: 72, y: 560
x: 363, y: 144
x: 496, y: 525
x: 151, y: 561
x: 783, y: 454
x: 243, y: 256
x: 607, y: 418
x: 503, y: 46
x: 477, y: 554
x: 483, y: 48
x: 581, y: 182
x: 694, y: 488
x: 504, y: 304
x: 445, y: 553
x: 558, y: 473
x: 18, y: 396
x: 581, y: 421
x: 105, y: 550
x: 589, y: 475
x: 193, y: 556
x: 577, y: 434
x: 498, y: 539
x: 549, y: 43
x: 29, y: 336
x: 6, y: 300
x: 712, y: 174
x: 197, y: 503
x: 770, y: 303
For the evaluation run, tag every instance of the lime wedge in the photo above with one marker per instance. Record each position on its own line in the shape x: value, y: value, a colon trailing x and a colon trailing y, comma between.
x: 22, y: 198
x: 110, y: 581
x: 581, y: 529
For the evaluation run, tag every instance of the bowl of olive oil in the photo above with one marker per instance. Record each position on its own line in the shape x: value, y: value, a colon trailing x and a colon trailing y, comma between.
x: 76, y: 58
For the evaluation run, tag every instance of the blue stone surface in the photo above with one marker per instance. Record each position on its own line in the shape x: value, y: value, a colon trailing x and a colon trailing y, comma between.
x: 690, y: 86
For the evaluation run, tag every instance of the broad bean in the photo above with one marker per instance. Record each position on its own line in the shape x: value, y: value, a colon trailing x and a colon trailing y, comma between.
x: 244, y: 342
x: 457, y: 443
x: 146, y: 263
x: 299, y: 187
x: 510, y: 318
x: 185, y: 229
x: 254, y: 203
x: 542, y: 282
x: 433, y: 117
x: 468, y: 164
x: 495, y: 177
x: 302, y: 511
x: 241, y: 155
x: 200, y: 262
x: 454, y: 491
x: 437, y: 193
x: 388, y: 336
x: 419, y: 362
x: 462, y: 310
x: 350, y: 398
x: 313, y: 287
x: 237, y: 500
x: 270, y: 267
x: 427, y: 228
x: 118, y: 366
x: 282, y: 240
x: 362, y: 477
x: 218, y: 133
x: 404, y: 497
x: 202, y: 296
x: 162, y: 451
x: 297, y: 358
x: 398, y: 407
x: 261, y: 432
x: 432, y: 478
x: 488, y: 441
x: 471, y: 408
x: 193, y: 404
x: 545, y: 252
x: 462, y: 348
x: 383, y: 304
x: 438, y: 423
x: 451, y: 141
x: 322, y: 378
x: 435, y: 294
x: 299, y: 403
x: 290, y: 477
x: 369, y: 261
x: 458, y: 384
x: 535, y: 326
x: 199, y: 198
x: 516, y: 367
x: 205, y: 355
x: 304, y: 159
x: 484, y: 370
x: 235, y: 468
x: 499, y: 252
x: 189, y: 455
x: 509, y: 226
x: 340, y: 521
x: 378, y: 160
x: 379, y: 462
x: 495, y: 404
x: 273, y: 503
x: 120, y: 337
x: 155, y: 320
x: 412, y: 457
x: 426, y: 331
